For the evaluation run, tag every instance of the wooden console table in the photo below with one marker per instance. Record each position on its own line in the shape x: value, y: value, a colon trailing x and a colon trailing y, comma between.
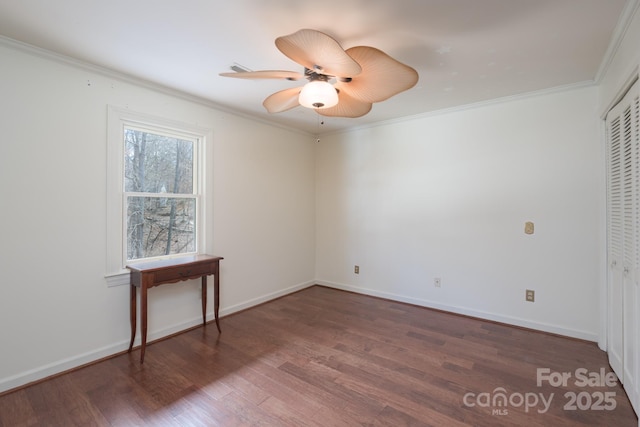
x: 145, y: 275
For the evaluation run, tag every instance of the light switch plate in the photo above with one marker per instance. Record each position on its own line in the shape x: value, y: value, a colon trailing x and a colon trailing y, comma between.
x: 528, y: 227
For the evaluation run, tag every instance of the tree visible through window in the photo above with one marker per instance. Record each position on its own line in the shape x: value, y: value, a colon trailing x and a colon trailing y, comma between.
x: 159, y: 194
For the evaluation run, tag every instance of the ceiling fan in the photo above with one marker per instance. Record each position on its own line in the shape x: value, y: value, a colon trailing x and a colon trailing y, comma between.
x: 341, y: 83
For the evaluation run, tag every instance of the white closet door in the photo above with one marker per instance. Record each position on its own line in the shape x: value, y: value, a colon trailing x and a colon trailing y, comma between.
x: 615, y: 241
x: 623, y: 137
x: 631, y: 291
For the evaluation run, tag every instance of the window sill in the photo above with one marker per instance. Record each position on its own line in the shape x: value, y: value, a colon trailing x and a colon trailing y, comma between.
x: 117, y: 279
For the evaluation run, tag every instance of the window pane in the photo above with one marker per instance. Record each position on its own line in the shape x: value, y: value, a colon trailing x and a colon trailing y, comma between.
x: 157, y: 163
x: 159, y: 226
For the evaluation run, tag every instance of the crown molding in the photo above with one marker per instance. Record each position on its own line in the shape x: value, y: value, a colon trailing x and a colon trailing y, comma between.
x: 137, y: 81
x: 619, y: 33
x: 472, y: 106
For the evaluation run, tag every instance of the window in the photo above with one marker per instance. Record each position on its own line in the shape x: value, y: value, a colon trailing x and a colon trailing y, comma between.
x: 160, y: 193
x: 155, y: 194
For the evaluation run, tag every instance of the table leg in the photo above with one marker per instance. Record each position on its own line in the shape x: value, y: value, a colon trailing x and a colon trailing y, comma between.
x: 204, y: 300
x: 143, y: 318
x: 216, y: 296
x: 132, y: 314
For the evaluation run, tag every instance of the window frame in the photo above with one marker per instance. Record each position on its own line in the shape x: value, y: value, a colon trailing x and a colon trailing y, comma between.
x: 117, y: 120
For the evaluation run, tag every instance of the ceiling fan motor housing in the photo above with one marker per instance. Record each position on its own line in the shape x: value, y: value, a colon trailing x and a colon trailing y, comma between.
x: 313, y: 75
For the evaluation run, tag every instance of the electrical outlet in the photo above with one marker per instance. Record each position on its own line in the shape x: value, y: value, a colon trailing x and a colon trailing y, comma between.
x: 436, y: 282
x: 356, y: 269
x: 530, y: 295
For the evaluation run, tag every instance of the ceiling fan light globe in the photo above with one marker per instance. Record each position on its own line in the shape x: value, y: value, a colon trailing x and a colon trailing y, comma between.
x: 318, y: 94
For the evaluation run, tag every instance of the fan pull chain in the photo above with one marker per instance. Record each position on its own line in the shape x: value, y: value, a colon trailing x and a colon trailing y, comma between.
x: 320, y: 122
x: 320, y: 119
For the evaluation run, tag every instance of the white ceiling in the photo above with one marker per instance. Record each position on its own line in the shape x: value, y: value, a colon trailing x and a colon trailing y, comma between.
x: 465, y: 51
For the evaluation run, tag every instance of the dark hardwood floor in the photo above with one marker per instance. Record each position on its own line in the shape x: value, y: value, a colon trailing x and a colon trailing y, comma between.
x: 323, y: 357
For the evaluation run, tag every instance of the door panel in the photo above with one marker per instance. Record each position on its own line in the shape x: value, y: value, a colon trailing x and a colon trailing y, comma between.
x: 623, y: 242
x: 615, y: 192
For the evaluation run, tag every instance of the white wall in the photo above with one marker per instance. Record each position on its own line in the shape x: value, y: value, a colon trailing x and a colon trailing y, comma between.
x: 448, y: 195
x: 56, y: 310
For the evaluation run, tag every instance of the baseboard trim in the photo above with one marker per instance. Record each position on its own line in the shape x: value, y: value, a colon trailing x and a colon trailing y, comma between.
x: 265, y: 298
x: 31, y: 376
x: 509, y: 320
x: 26, y: 378
x: 42, y: 373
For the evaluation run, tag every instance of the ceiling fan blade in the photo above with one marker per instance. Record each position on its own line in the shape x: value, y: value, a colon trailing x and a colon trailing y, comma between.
x: 382, y: 76
x: 283, y: 100
x: 347, y: 106
x: 266, y: 74
x: 318, y: 52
